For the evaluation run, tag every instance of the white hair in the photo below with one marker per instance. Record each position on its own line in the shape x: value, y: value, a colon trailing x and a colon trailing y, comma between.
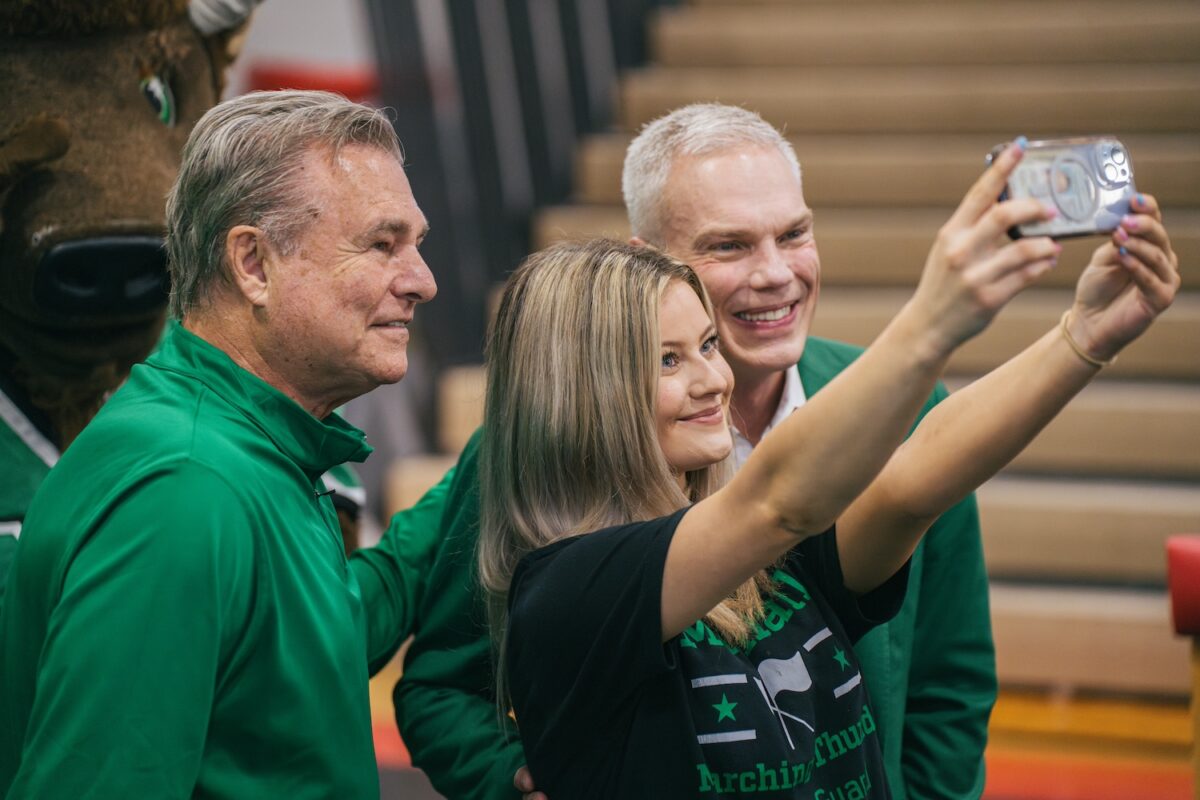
x: 694, y: 130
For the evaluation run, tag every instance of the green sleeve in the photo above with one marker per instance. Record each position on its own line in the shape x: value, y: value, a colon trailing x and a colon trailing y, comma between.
x: 952, y: 674
x: 151, y: 604
x: 952, y: 663
x: 8, y: 547
x: 445, y: 704
x: 392, y: 574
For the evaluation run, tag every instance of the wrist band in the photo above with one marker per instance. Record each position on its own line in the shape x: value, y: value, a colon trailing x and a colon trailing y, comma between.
x: 1079, y: 351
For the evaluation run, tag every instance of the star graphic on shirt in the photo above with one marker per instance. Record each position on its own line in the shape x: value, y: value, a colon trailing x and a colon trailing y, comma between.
x: 725, y: 709
x: 840, y: 657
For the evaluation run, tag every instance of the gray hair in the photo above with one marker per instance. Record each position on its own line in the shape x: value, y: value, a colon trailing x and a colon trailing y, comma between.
x: 242, y: 165
x: 694, y: 130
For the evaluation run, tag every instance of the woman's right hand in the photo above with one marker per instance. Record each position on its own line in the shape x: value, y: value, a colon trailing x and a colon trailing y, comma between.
x: 974, y: 268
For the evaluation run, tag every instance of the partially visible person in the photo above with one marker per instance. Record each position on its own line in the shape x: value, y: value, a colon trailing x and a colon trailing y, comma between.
x: 665, y: 634
x: 181, y: 617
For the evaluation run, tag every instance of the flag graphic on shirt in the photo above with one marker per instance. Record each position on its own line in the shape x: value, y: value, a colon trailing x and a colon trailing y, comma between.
x: 775, y: 676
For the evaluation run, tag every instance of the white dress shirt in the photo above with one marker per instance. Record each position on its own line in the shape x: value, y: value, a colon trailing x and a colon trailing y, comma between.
x: 792, y: 398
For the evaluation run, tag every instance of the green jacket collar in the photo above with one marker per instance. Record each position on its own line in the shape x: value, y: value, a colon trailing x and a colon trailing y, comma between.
x: 822, y: 360
x: 314, y: 445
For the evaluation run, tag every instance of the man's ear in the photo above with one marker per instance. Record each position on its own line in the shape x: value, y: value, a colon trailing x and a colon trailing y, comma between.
x: 638, y: 241
x: 245, y: 249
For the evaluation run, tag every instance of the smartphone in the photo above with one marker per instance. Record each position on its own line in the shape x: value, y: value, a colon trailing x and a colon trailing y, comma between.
x: 1088, y: 179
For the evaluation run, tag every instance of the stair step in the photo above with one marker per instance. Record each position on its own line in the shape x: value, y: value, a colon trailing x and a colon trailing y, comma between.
x: 919, y: 33
x: 1072, y: 639
x: 1170, y: 349
x: 1138, y: 431
x: 1033, y: 100
x: 872, y: 247
x: 1083, y: 530
x: 867, y: 170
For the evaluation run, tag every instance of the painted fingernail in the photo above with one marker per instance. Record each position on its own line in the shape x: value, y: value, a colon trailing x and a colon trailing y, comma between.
x: 1141, y: 198
x: 1021, y: 142
x: 1057, y: 248
x: 1123, y: 251
x: 1049, y: 211
x: 1122, y: 234
x: 1129, y: 222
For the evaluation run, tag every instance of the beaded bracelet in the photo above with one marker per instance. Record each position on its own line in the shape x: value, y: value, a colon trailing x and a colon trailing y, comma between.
x: 1079, y: 351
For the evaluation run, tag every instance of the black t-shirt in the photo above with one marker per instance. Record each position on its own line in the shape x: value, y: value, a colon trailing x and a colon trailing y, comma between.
x: 607, y: 710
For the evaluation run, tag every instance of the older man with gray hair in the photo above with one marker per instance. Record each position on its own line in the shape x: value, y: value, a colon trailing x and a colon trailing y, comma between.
x: 181, y: 619
x: 720, y: 189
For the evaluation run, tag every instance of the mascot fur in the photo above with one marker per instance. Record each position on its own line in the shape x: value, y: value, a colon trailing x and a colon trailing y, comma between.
x: 96, y: 102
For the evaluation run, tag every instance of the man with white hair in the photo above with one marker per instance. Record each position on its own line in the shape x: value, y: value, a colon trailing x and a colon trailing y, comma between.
x: 181, y: 619
x: 720, y: 189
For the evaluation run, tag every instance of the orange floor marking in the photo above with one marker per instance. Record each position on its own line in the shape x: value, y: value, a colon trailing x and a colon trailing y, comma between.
x: 1014, y: 774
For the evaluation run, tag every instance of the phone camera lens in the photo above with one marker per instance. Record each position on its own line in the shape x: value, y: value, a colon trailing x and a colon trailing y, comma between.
x: 1110, y: 172
x: 1117, y: 155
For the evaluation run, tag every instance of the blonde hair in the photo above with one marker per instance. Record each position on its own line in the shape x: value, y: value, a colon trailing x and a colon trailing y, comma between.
x: 694, y: 130
x: 570, y: 443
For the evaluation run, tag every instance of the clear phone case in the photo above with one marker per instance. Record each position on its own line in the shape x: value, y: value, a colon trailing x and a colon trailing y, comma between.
x: 1089, y: 180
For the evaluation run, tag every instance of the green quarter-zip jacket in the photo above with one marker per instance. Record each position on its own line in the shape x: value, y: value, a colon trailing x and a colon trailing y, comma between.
x: 180, y: 618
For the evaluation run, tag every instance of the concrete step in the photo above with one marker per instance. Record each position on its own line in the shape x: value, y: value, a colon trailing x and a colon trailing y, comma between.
x: 1138, y: 431
x: 1059, y: 529
x: 1005, y: 32
x: 1033, y: 100
x: 1074, y: 639
x: 908, y: 170
x: 874, y: 246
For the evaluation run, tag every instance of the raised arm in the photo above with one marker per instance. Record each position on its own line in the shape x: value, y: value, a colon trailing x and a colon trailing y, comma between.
x: 969, y: 437
x: 804, y: 475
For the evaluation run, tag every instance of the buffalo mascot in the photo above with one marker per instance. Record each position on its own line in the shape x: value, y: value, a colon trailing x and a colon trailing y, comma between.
x: 96, y: 101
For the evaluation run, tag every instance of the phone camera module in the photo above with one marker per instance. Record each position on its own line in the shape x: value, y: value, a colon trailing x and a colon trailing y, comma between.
x: 1113, y: 165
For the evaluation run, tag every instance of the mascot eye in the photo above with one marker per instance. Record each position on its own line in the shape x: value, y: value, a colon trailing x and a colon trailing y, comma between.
x: 158, y: 94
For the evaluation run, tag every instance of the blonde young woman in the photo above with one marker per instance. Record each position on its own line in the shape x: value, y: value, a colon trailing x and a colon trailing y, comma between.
x: 668, y: 634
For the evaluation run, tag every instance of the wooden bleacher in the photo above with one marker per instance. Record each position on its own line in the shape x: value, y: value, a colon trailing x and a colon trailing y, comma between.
x: 891, y: 106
